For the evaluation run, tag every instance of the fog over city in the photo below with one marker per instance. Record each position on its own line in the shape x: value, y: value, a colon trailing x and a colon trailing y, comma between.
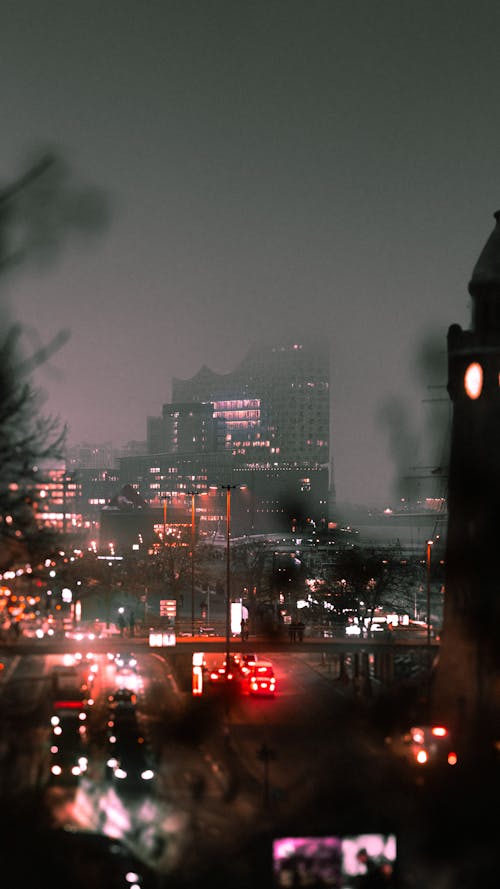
x: 236, y: 172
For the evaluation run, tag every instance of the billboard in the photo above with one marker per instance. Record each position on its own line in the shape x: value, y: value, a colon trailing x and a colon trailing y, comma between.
x: 336, y: 862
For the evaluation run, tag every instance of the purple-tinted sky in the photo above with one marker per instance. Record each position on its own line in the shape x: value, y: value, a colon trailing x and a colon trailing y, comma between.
x: 271, y: 168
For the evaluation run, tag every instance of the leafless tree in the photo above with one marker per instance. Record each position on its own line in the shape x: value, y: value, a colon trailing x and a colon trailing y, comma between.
x: 38, y: 209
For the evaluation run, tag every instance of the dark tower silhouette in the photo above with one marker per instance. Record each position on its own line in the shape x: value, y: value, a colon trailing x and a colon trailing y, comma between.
x: 466, y: 686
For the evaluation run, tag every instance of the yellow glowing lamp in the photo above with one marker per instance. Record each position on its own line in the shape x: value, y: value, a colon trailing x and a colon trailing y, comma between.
x: 474, y: 380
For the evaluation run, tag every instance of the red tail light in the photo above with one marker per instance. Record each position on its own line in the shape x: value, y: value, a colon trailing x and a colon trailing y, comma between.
x: 439, y: 731
x: 69, y: 705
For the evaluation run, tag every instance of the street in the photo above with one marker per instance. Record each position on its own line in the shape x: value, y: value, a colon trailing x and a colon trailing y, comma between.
x: 234, y: 774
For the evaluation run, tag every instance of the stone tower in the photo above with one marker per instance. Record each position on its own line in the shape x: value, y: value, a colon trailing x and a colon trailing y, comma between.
x: 466, y: 687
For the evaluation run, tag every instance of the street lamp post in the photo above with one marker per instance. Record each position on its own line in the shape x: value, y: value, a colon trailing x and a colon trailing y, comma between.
x: 228, y: 489
x: 192, y: 494
x: 428, y: 560
x: 165, y: 498
x: 163, y: 557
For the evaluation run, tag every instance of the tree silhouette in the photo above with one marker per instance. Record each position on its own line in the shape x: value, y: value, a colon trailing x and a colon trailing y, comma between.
x: 38, y: 210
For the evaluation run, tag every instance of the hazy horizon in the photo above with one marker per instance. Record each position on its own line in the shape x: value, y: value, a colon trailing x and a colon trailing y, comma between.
x: 237, y: 171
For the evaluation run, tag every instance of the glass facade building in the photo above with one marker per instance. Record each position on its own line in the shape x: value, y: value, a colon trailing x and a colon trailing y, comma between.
x: 265, y: 426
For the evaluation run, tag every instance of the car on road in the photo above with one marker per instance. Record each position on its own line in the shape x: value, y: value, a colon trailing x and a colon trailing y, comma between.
x: 247, y: 661
x: 122, y: 697
x: 425, y: 745
x: 227, y: 672
x: 121, y: 724
x: 68, y: 762
x: 68, y: 756
x: 261, y: 680
x: 129, y: 763
x: 125, y: 660
x: 127, y: 677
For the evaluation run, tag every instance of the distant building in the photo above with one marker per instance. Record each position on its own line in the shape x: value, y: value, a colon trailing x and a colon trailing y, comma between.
x: 277, y: 399
x: 264, y: 426
x: 126, y: 521
x: 276, y: 496
x: 91, y: 456
x: 185, y: 429
x: 58, y: 496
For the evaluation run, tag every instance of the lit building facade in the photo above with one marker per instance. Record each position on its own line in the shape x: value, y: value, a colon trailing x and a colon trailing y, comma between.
x: 192, y: 428
x: 277, y: 399
x: 265, y: 427
x: 273, y: 497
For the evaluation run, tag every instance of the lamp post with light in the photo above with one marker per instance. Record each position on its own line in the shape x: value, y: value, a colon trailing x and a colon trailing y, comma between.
x: 228, y: 489
x: 428, y: 562
x: 192, y: 494
x: 165, y: 497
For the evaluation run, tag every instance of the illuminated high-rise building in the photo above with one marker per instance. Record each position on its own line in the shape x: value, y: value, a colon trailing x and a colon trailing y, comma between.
x: 276, y: 400
x: 265, y: 426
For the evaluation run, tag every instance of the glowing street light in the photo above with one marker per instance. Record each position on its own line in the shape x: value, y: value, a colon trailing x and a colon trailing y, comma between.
x: 165, y: 498
x: 428, y: 559
x: 228, y: 489
x: 192, y: 494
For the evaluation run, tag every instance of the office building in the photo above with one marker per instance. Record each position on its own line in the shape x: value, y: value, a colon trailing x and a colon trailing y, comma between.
x: 264, y: 426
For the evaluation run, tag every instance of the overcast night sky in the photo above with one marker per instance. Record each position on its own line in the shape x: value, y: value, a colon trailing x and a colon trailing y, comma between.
x: 270, y: 169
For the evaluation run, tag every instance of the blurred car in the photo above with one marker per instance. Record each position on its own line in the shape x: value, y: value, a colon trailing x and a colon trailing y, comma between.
x: 37, y: 629
x: 68, y: 762
x: 125, y: 659
x: 122, y: 697
x: 129, y: 763
x: 69, y: 690
x: 103, y: 629
x: 227, y: 672
x: 79, y: 634
x: 85, y: 630
x: 68, y: 759
x: 89, y: 665
x: 122, y: 720
x: 261, y: 680
x: 126, y: 677
x: 425, y: 745
x: 247, y: 661
x: 122, y: 724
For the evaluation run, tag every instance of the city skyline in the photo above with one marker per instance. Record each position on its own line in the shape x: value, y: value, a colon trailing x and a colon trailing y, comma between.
x: 274, y: 171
